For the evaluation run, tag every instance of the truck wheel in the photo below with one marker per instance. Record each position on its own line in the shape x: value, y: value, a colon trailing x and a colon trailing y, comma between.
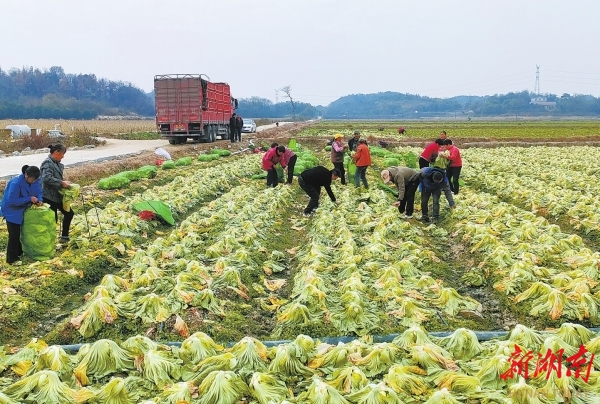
x: 172, y: 140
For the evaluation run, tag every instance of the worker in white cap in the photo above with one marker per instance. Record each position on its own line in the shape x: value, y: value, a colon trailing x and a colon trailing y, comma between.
x: 406, y: 181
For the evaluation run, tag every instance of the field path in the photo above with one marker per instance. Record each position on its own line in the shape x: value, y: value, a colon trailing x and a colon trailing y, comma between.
x: 11, y: 165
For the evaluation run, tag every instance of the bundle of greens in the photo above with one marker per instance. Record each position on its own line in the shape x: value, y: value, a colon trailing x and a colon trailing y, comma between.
x: 44, y: 386
x: 69, y: 194
x: 221, y: 387
x: 102, y: 358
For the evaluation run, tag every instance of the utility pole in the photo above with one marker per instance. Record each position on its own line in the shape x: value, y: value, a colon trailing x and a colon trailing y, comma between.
x: 536, y: 89
x: 276, y: 96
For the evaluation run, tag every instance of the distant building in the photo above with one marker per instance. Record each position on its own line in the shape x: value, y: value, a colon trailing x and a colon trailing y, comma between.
x: 543, y: 101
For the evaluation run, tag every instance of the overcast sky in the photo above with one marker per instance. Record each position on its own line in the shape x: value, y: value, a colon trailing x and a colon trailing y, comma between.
x: 322, y: 49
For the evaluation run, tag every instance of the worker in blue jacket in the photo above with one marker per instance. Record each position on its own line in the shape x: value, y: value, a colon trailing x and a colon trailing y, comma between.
x: 20, y: 193
x: 433, y: 182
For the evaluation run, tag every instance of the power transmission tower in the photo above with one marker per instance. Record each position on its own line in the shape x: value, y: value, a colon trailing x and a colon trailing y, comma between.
x: 276, y: 96
x: 536, y: 89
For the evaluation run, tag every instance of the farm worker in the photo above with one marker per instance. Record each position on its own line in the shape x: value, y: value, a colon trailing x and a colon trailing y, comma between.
x: 311, y: 181
x: 353, y: 143
x: 453, y: 169
x: 288, y: 162
x: 406, y: 181
x: 52, y: 181
x: 401, y: 130
x: 269, y: 161
x: 19, y: 194
x: 362, y: 158
x: 232, y: 128
x: 430, y: 153
x: 443, y: 135
x: 239, y: 124
x: 337, y: 156
x: 433, y: 182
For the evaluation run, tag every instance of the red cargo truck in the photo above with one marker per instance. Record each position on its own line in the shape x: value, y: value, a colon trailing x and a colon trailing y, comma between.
x: 190, y: 106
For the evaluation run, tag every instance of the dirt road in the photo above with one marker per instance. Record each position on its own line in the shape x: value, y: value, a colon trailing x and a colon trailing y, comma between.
x: 11, y: 165
x: 114, y: 148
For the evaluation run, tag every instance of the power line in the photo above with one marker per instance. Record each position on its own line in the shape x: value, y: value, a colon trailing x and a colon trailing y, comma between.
x: 562, y: 71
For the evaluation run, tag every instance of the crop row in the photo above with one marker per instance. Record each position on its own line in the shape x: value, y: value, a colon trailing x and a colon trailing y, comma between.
x: 363, y: 270
x: 204, y: 256
x: 558, y: 182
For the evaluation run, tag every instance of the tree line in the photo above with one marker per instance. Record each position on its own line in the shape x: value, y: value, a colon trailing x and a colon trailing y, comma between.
x: 30, y: 93
x: 51, y: 93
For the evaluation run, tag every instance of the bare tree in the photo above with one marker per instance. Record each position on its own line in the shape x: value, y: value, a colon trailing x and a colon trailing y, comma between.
x: 288, y: 92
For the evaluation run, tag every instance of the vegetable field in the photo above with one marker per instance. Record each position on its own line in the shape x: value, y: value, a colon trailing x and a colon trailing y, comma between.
x: 95, y: 127
x: 245, y: 300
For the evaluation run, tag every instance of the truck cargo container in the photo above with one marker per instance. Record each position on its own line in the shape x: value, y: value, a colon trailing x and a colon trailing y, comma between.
x: 189, y: 106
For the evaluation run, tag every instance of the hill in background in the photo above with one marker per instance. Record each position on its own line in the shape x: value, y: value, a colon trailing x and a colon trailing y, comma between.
x: 31, y: 93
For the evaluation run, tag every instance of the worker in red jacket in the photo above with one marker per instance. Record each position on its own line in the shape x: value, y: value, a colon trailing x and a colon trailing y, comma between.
x: 430, y: 153
x: 270, y: 159
x: 362, y: 158
x: 454, y: 167
x: 288, y: 162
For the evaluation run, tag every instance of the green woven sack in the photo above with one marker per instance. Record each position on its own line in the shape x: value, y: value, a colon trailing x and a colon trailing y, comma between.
x: 148, y: 171
x: 38, y: 233
x: 184, y: 161
x: 114, y: 182
x: 299, y: 168
x: 389, y: 162
x: 221, y: 152
x: 132, y: 175
x: 208, y: 157
x: 378, y: 151
x: 167, y: 165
